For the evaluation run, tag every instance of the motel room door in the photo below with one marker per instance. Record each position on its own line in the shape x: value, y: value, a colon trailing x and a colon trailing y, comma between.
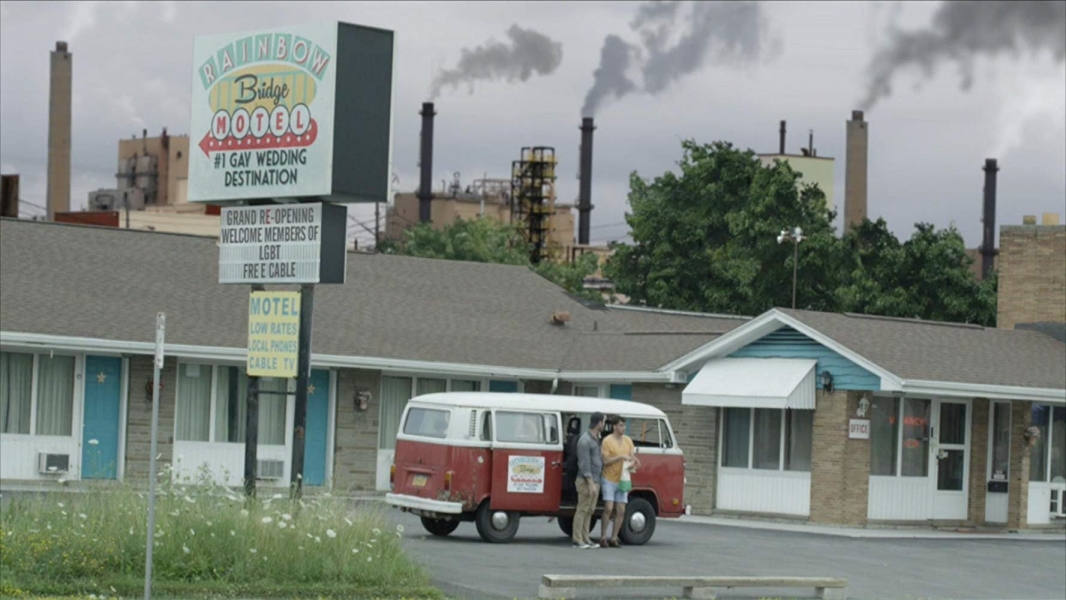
x: 950, y: 459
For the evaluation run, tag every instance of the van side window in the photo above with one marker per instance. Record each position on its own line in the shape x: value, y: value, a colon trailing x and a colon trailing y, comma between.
x: 527, y: 428
x: 486, y: 426
x: 427, y: 422
x: 648, y: 432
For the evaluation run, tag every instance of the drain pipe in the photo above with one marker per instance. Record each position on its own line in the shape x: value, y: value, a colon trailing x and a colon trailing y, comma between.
x: 555, y: 385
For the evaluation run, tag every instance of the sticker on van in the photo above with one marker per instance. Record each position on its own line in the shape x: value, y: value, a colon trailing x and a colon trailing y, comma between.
x: 525, y: 474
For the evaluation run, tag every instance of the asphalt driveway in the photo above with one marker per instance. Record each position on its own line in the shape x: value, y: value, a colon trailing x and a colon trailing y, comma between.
x: 465, y: 567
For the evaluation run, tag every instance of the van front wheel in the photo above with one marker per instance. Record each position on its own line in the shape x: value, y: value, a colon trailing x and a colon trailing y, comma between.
x: 496, y: 526
x: 439, y: 527
x: 640, y: 522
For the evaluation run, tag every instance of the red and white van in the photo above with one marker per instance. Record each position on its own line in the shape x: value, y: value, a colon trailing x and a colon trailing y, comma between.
x: 493, y: 458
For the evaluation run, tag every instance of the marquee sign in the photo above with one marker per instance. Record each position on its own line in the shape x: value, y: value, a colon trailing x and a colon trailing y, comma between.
x: 283, y: 244
x: 301, y: 111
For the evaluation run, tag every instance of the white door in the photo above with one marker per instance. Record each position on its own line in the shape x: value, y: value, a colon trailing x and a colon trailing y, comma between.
x: 950, y: 459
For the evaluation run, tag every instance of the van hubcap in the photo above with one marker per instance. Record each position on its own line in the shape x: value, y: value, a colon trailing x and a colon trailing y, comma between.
x: 637, y: 522
x: 500, y: 520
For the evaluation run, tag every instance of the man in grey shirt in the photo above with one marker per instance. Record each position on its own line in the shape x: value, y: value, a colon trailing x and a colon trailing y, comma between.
x: 589, y: 471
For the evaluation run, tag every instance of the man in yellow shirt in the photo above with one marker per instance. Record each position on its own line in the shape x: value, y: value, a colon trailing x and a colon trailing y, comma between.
x: 616, y: 448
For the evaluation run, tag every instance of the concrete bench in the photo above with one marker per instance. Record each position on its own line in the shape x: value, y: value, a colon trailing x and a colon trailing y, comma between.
x: 565, y: 586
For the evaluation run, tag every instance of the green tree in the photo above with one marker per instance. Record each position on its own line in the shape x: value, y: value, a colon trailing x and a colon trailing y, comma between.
x: 489, y: 241
x: 928, y: 276
x: 706, y: 239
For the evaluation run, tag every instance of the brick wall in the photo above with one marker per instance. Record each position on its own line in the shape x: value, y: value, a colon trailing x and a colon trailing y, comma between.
x: 1018, y: 487
x: 355, y: 443
x: 139, y: 417
x: 840, y: 467
x: 696, y: 428
x: 979, y: 460
x: 1032, y: 275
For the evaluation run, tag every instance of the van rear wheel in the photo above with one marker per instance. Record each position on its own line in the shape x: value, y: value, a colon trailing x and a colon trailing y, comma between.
x: 566, y: 525
x: 496, y: 526
x: 639, y: 525
x: 439, y: 527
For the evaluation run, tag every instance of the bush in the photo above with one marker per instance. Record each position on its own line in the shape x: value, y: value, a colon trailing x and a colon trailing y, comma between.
x: 204, y: 534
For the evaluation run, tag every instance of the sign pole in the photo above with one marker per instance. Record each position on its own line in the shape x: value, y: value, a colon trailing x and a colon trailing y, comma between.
x: 251, y: 429
x: 160, y: 334
x: 303, y: 378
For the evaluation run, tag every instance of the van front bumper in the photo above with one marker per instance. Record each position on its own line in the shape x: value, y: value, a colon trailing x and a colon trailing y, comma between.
x: 424, y: 505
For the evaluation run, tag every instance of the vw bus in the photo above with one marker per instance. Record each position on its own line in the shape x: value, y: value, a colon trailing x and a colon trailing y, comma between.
x: 492, y: 458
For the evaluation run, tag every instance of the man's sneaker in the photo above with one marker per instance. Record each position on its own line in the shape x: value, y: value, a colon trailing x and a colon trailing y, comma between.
x: 591, y: 546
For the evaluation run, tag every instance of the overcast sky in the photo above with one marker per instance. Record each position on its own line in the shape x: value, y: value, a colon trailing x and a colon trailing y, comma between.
x: 928, y: 140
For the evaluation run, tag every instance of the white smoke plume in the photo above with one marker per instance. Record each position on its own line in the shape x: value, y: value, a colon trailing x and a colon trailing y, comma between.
x: 527, y: 53
x: 676, y: 43
x: 961, y: 32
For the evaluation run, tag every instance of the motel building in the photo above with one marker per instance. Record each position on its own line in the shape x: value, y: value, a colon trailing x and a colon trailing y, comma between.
x: 830, y: 418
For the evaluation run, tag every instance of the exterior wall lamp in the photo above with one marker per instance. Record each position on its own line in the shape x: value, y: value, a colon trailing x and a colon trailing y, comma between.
x: 827, y: 382
x: 362, y: 400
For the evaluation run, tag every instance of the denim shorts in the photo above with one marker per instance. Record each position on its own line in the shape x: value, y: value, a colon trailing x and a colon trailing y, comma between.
x: 611, y: 493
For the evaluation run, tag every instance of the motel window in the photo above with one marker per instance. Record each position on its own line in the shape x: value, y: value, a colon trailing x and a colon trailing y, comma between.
x: 463, y: 385
x: 767, y: 438
x: 899, y: 437
x: 226, y: 399
x: 1047, y: 457
x: 36, y: 382
x: 589, y: 391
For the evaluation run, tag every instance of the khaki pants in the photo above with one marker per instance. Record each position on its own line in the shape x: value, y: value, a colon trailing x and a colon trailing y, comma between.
x: 587, y: 494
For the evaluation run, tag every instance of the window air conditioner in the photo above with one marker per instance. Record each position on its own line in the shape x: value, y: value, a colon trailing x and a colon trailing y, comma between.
x: 49, y: 464
x: 271, y: 469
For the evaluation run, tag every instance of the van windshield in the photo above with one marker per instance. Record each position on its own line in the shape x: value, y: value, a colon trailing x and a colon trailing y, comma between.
x: 427, y: 422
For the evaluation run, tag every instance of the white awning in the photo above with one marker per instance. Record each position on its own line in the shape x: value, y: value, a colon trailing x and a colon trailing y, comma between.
x: 753, y: 383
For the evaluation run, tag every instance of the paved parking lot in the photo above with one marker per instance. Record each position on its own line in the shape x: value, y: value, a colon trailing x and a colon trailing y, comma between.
x: 465, y: 567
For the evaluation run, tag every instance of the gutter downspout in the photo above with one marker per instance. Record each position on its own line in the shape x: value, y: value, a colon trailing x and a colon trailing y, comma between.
x: 555, y: 385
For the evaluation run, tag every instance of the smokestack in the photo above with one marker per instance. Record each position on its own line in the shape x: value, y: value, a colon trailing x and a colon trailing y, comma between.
x: 584, y: 201
x: 855, y: 171
x: 425, y: 185
x: 782, y: 151
x: 59, y: 103
x: 988, y: 245
x: 9, y: 196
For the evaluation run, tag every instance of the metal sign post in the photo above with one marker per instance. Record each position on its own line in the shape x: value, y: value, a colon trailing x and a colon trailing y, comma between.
x: 303, y: 379
x: 160, y: 334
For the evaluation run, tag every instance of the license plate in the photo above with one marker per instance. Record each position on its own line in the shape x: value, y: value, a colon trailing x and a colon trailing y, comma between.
x: 419, y: 481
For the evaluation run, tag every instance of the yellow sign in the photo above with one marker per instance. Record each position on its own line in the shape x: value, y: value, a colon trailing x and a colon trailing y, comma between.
x: 273, y: 333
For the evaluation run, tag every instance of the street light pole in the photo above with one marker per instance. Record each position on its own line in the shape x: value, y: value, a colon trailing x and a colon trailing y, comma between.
x: 795, y: 236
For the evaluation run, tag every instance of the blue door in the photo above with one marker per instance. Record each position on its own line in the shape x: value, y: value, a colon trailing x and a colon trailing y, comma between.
x: 317, y: 429
x: 99, y: 440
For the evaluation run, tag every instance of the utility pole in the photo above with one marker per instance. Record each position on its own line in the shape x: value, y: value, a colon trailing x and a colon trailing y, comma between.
x: 795, y: 236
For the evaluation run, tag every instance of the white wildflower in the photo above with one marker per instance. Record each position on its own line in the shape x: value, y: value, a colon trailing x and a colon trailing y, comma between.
x: 276, y: 497
x: 355, y: 550
x: 175, y: 513
x: 267, y: 520
x: 300, y: 547
x: 377, y: 531
x: 61, y: 505
x: 369, y: 558
x: 190, y: 500
x: 192, y: 532
x: 282, y: 525
x: 212, y: 534
x: 186, y: 549
x: 310, y: 537
x: 131, y: 531
x: 244, y: 512
x: 253, y: 550
x: 318, y: 540
x: 286, y: 516
x: 331, y: 534
x: 348, y: 521
x: 232, y: 533
x: 82, y: 516
x: 209, y: 523
x: 63, y: 512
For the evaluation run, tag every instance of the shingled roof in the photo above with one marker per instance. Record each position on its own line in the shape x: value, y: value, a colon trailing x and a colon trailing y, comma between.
x: 105, y: 283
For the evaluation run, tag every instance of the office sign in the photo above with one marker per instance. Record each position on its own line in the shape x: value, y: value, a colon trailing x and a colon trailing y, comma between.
x: 299, y: 111
x: 273, y: 334
x: 283, y: 244
x: 859, y: 429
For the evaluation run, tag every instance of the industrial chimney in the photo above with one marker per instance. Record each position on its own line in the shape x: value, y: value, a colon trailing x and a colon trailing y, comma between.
x: 988, y: 219
x: 59, y: 110
x: 425, y: 185
x: 855, y: 171
x: 584, y: 201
